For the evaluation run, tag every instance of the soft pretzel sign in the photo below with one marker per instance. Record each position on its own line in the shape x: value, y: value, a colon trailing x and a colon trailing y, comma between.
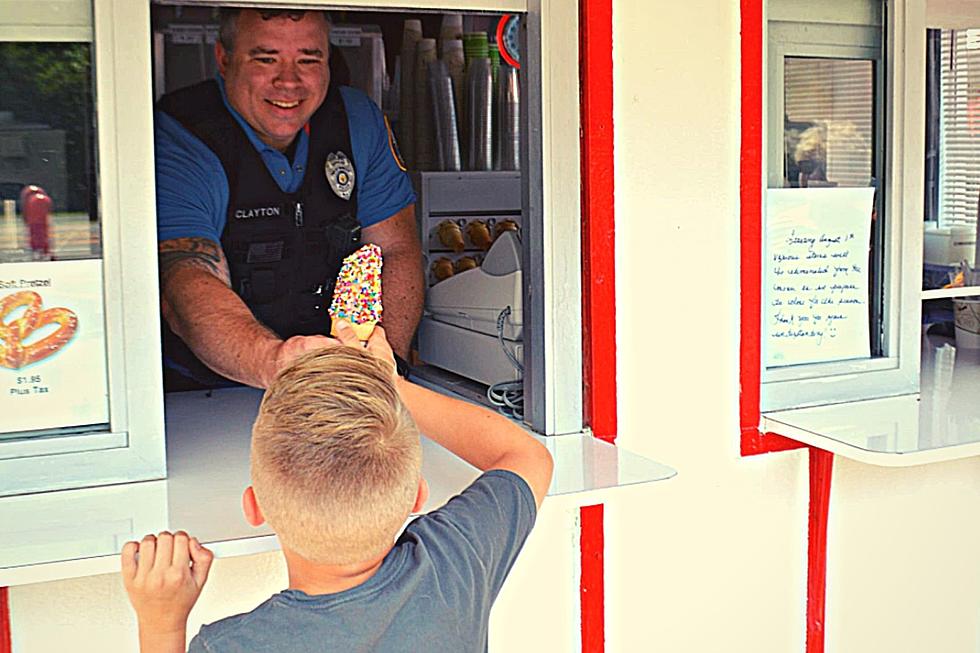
x: 52, y: 346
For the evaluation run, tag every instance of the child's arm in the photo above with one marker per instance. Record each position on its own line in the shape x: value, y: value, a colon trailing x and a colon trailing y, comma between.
x: 485, y: 439
x: 164, y: 576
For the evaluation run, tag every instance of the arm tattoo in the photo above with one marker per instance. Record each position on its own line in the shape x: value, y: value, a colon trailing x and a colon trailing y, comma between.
x: 201, y: 253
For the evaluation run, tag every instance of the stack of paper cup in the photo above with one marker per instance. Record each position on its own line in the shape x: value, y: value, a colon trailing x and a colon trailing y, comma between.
x: 444, y: 117
x: 424, y: 136
x: 494, y: 54
x: 411, y: 35
x: 451, y: 30
x: 475, y: 44
x: 507, y: 148
x: 452, y: 56
x: 479, y: 107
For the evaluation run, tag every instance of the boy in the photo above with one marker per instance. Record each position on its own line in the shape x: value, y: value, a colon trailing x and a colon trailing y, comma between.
x: 336, y: 463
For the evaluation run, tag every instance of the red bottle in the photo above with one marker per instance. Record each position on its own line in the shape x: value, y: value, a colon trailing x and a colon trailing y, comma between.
x: 37, y: 207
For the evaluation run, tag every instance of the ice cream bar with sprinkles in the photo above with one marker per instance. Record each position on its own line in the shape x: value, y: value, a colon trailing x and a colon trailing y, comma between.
x: 357, y: 293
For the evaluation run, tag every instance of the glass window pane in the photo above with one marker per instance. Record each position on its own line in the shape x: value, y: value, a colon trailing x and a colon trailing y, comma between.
x: 829, y: 123
x: 824, y: 296
x: 47, y: 141
x: 959, y: 164
x: 53, y: 371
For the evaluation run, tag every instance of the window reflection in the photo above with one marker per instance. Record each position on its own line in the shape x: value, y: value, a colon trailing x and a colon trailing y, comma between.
x: 47, y: 153
x: 829, y: 123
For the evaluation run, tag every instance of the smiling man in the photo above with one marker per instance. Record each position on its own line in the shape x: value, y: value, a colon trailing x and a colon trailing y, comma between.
x: 266, y: 178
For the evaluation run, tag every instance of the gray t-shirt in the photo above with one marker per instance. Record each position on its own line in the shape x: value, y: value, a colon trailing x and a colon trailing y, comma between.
x: 432, y: 593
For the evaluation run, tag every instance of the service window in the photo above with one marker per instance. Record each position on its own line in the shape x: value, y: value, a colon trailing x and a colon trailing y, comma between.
x: 837, y: 325
x: 950, y: 282
x: 952, y: 182
x: 80, y: 78
x: 463, y: 92
x: 71, y: 357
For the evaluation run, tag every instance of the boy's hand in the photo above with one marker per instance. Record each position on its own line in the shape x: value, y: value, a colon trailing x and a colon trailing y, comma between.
x: 377, y: 343
x: 164, y: 576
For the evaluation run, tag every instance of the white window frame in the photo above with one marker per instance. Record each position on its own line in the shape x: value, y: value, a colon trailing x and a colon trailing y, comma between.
x: 133, y: 449
x: 897, y: 372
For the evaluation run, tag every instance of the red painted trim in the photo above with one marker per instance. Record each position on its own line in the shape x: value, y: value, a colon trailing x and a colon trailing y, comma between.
x: 598, y: 289
x: 5, y: 637
x: 755, y: 441
x: 750, y: 195
x: 598, y: 218
x: 592, y: 587
x: 821, y: 470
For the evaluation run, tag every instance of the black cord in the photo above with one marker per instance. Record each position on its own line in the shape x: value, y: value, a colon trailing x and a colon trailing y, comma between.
x: 504, y: 314
x: 508, y: 396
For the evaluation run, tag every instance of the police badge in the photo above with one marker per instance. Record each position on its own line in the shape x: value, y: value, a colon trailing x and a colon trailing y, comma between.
x: 340, y: 174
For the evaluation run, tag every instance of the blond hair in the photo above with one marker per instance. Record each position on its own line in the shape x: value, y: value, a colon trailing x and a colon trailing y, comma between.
x: 336, y: 457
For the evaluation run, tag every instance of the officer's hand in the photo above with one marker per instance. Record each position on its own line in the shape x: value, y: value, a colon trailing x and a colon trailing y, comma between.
x: 291, y: 349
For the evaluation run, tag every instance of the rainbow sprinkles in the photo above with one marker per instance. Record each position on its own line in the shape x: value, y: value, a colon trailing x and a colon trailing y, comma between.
x: 357, y: 293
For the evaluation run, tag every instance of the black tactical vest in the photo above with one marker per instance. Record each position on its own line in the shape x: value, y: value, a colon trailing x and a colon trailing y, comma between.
x: 284, y: 250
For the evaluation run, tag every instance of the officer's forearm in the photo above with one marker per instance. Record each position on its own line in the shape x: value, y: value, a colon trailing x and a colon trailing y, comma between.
x: 218, y: 327
x: 402, y: 291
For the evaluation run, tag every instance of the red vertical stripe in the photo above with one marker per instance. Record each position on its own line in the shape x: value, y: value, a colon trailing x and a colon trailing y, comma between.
x: 598, y: 287
x: 750, y: 196
x: 598, y: 217
x: 821, y: 470
x: 592, y: 588
x: 5, y: 643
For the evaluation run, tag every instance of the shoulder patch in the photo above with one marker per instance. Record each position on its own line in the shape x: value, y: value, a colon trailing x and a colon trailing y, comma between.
x: 393, y: 146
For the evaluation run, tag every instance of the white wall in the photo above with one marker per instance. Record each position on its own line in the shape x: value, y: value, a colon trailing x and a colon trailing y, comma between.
x: 719, y: 563
x: 713, y: 560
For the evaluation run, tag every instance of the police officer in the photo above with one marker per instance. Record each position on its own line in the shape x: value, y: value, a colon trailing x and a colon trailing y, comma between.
x: 266, y: 178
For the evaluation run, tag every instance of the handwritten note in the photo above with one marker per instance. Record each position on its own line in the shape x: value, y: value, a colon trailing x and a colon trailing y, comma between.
x: 815, y: 275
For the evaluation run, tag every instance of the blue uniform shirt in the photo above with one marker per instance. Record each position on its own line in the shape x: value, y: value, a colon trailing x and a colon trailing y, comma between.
x: 192, y: 190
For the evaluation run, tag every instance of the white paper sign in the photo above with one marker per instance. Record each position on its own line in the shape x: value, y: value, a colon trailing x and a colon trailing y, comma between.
x: 52, y: 346
x: 815, y: 275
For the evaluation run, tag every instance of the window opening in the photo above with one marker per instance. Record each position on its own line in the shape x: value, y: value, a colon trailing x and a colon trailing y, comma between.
x: 472, y: 195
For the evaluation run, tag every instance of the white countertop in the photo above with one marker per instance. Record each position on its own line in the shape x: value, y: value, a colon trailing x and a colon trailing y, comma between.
x: 74, y: 533
x: 941, y: 422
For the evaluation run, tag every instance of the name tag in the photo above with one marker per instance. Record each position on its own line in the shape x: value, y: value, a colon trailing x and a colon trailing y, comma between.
x: 258, y: 212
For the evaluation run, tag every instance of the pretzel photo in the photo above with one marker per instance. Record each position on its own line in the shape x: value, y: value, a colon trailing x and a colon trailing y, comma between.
x: 14, y: 354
